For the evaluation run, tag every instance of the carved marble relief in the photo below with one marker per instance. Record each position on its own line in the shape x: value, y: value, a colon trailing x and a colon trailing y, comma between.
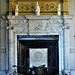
x: 20, y: 26
x: 20, y: 22
x: 51, y: 26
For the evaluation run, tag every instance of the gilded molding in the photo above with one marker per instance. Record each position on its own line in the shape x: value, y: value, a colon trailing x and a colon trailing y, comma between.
x: 27, y: 7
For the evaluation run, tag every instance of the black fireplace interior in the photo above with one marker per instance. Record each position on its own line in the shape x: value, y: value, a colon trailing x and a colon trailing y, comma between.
x: 38, y: 41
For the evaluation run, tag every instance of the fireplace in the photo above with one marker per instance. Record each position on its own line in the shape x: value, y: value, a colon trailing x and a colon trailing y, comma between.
x: 45, y: 32
x: 40, y: 43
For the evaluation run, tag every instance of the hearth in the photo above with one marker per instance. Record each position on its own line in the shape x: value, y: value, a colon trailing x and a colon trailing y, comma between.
x: 35, y: 42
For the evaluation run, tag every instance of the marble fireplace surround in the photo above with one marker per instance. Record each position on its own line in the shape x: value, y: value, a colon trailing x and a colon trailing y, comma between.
x: 40, y: 25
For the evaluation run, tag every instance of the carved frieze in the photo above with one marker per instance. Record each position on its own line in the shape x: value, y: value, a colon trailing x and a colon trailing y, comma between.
x: 51, y: 26
x: 20, y: 22
x: 20, y: 30
x: 20, y: 26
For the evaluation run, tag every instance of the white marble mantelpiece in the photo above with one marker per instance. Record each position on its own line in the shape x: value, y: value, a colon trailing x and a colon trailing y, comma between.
x: 41, y: 17
x: 40, y: 25
x: 48, y: 17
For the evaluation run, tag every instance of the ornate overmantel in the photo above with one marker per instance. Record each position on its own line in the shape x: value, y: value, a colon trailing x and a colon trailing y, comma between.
x: 47, y: 7
x: 40, y: 25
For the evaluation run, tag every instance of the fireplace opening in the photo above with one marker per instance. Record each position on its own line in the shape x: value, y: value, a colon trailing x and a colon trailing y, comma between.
x: 43, y: 43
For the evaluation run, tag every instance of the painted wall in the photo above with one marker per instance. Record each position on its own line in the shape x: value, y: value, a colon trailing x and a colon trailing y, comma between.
x: 3, y: 11
x: 72, y: 38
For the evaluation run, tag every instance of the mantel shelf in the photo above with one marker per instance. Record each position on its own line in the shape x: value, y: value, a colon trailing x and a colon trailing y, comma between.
x: 41, y: 17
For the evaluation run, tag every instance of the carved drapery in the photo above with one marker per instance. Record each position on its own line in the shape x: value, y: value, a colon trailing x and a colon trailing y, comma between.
x: 47, y: 7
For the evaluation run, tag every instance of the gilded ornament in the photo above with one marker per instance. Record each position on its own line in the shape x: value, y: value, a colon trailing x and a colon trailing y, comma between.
x: 47, y: 7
